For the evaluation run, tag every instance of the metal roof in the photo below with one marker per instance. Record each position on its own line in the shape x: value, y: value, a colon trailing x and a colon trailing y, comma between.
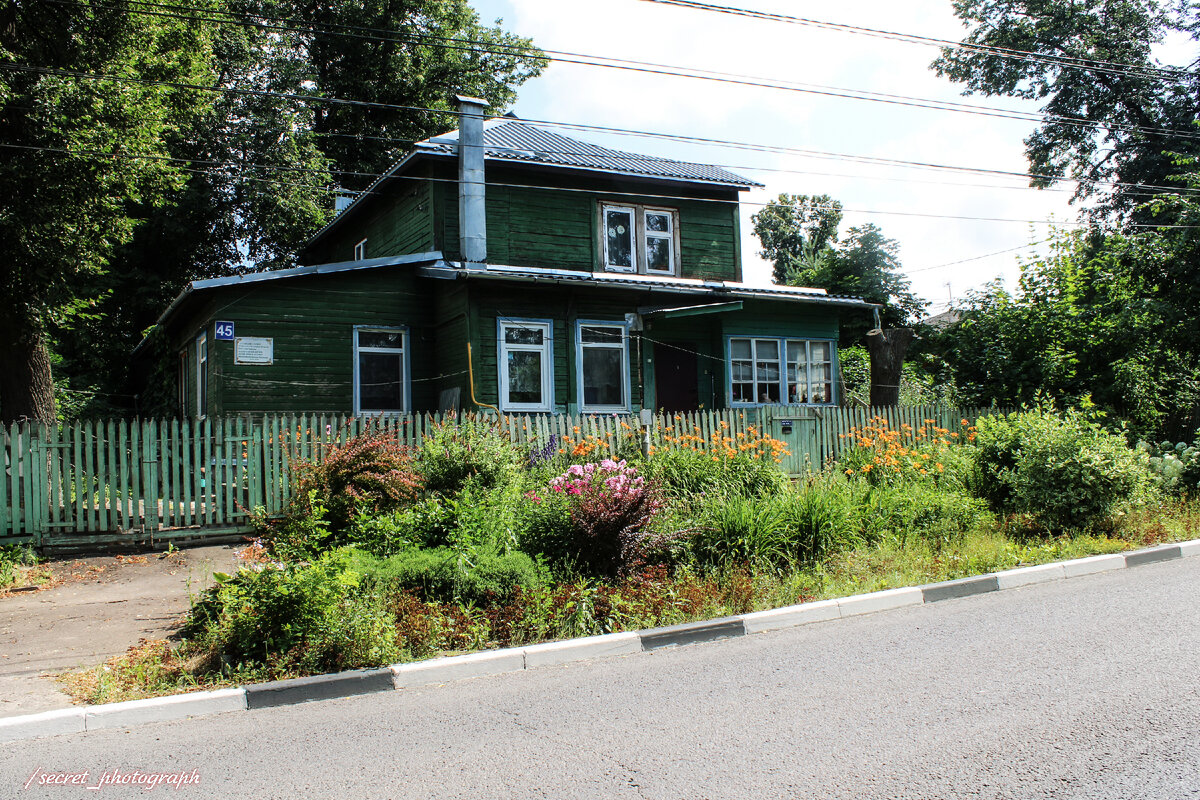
x: 507, y: 139
x: 691, y: 286
x: 246, y: 278
x: 510, y: 139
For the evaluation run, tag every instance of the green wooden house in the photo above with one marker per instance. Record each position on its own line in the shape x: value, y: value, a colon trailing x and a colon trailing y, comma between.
x: 507, y: 265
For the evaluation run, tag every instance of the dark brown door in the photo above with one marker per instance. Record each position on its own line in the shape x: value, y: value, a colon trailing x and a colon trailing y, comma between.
x: 675, y: 378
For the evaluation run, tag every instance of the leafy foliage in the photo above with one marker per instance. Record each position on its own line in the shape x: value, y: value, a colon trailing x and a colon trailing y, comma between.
x: 470, y: 447
x: 798, y: 234
x: 1063, y: 470
x: 609, y: 507
x: 1111, y: 319
x: 1112, y: 111
x: 306, y: 615
x: 439, y: 574
x: 1177, y: 466
x: 75, y: 201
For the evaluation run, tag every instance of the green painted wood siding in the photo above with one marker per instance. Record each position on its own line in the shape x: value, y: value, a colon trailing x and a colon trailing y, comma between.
x: 311, y: 322
x: 398, y: 223
x: 557, y: 227
x: 564, y: 307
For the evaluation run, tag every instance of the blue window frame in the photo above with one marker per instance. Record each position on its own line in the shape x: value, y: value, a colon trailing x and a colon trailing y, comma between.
x: 770, y: 370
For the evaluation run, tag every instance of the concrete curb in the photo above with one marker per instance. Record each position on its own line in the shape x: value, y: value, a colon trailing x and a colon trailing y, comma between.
x: 964, y: 587
x: 163, y: 709
x: 318, y: 687
x: 515, y: 659
x: 692, y: 632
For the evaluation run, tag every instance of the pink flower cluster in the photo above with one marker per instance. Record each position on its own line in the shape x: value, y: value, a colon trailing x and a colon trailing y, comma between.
x: 620, y: 479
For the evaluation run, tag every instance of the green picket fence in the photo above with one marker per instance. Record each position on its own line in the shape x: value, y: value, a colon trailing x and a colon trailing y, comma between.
x: 104, y: 482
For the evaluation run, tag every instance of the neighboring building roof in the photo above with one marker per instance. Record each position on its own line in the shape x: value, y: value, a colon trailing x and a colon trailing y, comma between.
x: 509, y: 139
x: 942, y: 320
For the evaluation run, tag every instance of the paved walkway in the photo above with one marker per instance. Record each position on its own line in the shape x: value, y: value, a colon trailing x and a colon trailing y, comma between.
x: 105, y: 605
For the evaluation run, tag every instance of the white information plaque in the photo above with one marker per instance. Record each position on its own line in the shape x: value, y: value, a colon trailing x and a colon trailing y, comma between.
x: 253, y: 350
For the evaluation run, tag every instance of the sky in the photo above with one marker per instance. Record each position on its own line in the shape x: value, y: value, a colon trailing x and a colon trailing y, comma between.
x: 922, y: 209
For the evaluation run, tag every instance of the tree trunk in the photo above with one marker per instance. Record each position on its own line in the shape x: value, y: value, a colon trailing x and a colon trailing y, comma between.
x: 26, y: 385
x: 887, y: 349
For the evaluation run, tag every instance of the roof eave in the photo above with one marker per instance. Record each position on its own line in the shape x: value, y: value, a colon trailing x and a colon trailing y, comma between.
x: 451, y: 270
x: 432, y: 257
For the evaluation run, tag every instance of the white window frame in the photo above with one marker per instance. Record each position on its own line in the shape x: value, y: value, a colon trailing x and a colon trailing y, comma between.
x: 637, y: 216
x: 669, y: 236
x: 633, y: 237
x: 782, y: 343
x: 546, y: 349
x: 405, y: 357
x: 202, y: 375
x: 584, y: 408
x: 360, y: 250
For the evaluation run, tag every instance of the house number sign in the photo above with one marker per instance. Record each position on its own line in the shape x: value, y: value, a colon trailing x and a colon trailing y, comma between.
x: 224, y: 332
x: 253, y: 350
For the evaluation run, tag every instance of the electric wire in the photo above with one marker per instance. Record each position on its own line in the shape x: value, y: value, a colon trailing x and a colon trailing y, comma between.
x: 734, y: 78
x: 681, y: 138
x: 609, y: 193
x: 1075, y: 62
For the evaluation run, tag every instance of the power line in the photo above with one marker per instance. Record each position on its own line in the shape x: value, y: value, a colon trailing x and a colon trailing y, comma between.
x: 1071, y: 62
x: 735, y: 202
x: 476, y: 46
x: 534, y: 186
x: 977, y: 258
x: 681, y: 138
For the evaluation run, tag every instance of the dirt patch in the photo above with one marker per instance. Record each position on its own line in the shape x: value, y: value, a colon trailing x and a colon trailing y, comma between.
x: 92, y: 609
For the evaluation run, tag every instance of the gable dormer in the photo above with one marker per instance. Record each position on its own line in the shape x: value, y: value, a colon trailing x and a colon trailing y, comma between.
x: 552, y: 202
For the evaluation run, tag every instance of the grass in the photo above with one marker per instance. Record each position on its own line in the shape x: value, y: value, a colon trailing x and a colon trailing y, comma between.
x: 155, y: 667
x: 151, y: 668
x: 19, y: 568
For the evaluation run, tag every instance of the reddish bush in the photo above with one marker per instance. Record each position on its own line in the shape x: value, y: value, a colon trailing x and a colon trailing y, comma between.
x: 611, y: 508
x: 371, y: 472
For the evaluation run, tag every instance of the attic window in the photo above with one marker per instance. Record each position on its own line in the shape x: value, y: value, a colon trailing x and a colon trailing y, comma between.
x: 360, y: 250
x: 640, y: 239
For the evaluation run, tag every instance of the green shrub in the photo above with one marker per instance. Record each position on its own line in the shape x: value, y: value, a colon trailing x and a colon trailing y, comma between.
x: 310, y: 616
x: 371, y: 473
x: 684, y: 472
x: 1064, y: 470
x: 934, y: 515
x: 596, y: 519
x: 442, y: 575
x: 1176, y: 466
x: 774, y: 532
x: 469, y: 447
x: 426, y: 523
x: 11, y: 557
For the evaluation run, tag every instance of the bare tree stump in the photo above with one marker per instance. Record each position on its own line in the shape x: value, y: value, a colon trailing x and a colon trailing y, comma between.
x: 887, y: 349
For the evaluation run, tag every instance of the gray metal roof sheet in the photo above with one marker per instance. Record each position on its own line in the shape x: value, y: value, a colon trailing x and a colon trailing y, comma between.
x: 514, y: 140
x: 713, y: 289
x: 510, y: 139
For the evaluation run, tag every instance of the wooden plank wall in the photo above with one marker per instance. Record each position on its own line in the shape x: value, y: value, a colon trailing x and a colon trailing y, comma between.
x: 150, y: 481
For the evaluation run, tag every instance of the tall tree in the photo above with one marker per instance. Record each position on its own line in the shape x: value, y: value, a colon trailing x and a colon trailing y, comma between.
x: 795, y: 228
x: 798, y: 234
x: 1112, y: 110
x: 267, y: 164
x: 78, y: 153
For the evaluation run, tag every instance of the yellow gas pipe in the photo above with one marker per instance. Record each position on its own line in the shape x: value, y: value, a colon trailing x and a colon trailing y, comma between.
x: 471, y: 380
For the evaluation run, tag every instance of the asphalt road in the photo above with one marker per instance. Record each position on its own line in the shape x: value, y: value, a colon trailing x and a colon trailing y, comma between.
x: 1084, y: 688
